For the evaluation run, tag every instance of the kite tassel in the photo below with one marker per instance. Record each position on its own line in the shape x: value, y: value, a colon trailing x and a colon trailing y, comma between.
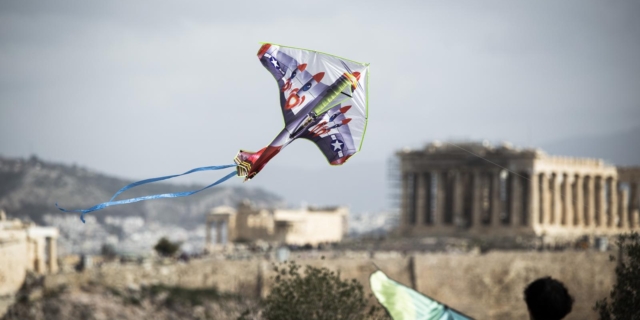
x: 112, y: 202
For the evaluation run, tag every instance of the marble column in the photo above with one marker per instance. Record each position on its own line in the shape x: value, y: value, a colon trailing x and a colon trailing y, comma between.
x: 556, y: 199
x: 218, y: 232
x: 545, y: 196
x: 476, y: 212
x: 634, y: 198
x: 612, y: 207
x: 634, y: 203
x: 40, y: 261
x: 457, y: 198
x: 53, y: 254
x: 440, y: 198
x: 568, y: 201
x: 428, y: 200
x: 413, y: 200
x: 591, y: 201
x: 634, y: 218
x: 578, y: 191
x: 623, y: 209
x: 515, y: 194
x: 534, y: 199
x: 421, y: 200
x: 601, y: 200
x: 495, y: 198
x: 208, y: 234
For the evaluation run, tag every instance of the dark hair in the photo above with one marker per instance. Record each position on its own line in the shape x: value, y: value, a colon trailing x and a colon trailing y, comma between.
x: 548, y: 299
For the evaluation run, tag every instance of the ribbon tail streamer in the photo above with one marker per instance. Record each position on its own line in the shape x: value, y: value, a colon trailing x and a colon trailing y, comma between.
x: 156, y: 196
x: 135, y: 184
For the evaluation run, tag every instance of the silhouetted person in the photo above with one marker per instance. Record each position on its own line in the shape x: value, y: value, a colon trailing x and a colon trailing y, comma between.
x: 547, y: 299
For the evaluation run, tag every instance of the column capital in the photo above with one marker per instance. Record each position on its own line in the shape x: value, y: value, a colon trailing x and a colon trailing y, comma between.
x: 570, y: 177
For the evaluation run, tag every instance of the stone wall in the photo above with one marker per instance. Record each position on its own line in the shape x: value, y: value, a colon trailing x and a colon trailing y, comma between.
x: 491, y: 286
x: 22, y: 249
x: 487, y: 286
x: 300, y: 227
x: 13, y: 262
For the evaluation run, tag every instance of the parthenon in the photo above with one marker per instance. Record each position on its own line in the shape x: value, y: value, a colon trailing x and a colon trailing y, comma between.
x: 481, y: 190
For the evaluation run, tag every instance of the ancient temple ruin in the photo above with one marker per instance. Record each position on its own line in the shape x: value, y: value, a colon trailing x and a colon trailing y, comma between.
x: 247, y: 223
x: 25, y: 247
x: 480, y: 190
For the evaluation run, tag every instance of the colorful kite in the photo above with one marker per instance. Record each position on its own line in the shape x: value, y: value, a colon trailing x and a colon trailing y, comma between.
x: 323, y: 98
x: 403, y: 303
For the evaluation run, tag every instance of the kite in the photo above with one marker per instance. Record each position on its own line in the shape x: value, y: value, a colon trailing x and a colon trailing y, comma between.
x: 403, y: 303
x: 323, y: 99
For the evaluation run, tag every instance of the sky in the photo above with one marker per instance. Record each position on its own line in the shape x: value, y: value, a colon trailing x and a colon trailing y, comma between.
x: 140, y: 89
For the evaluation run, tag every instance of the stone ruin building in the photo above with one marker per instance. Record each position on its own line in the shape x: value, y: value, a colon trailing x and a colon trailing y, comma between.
x: 25, y: 247
x: 247, y: 223
x: 475, y: 189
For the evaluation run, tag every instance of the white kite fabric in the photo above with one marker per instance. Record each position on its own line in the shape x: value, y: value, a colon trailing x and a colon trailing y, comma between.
x: 333, y: 68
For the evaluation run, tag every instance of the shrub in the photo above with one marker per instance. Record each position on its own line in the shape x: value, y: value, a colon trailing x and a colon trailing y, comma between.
x: 166, y: 248
x: 318, y: 293
x: 108, y: 251
x: 624, y: 298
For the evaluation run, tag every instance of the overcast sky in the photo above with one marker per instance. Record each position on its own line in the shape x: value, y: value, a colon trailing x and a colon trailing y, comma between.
x: 148, y: 88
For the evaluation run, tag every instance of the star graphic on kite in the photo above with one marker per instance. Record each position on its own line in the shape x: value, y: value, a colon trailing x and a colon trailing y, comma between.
x: 274, y: 62
x: 337, y: 145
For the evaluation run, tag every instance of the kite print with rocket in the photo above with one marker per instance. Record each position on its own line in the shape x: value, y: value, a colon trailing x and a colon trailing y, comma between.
x: 323, y: 98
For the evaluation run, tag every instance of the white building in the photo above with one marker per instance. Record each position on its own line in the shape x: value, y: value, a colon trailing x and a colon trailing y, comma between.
x: 304, y: 226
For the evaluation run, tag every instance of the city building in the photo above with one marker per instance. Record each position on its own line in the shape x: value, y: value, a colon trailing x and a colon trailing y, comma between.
x: 477, y: 189
x: 24, y: 247
x: 305, y: 226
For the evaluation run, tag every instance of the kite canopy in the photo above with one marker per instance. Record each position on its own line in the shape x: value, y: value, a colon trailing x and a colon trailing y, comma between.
x: 323, y: 94
x: 323, y: 98
x: 404, y: 303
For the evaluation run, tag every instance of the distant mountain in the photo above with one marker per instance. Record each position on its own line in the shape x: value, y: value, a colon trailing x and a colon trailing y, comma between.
x: 31, y: 187
x: 621, y: 148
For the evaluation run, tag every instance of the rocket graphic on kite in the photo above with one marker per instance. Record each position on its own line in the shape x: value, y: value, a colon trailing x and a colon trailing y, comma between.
x: 322, y: 99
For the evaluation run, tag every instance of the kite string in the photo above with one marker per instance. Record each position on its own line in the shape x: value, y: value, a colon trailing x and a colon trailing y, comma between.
x: 156, y: 196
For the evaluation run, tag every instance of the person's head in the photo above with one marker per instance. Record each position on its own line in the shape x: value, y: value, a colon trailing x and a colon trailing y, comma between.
x: 547, y: 299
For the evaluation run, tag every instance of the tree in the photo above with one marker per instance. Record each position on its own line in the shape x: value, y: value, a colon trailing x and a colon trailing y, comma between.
x: 624, y: 298
x: 319, y: 294
x: 166, y: 248
x: 108, y: 251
